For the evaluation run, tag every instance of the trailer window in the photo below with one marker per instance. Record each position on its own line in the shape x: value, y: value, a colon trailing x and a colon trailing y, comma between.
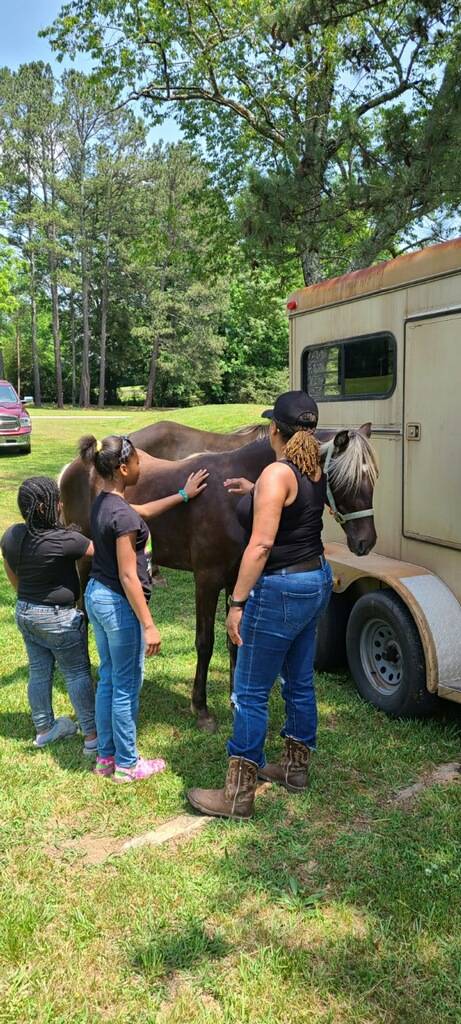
x: 355, y: 368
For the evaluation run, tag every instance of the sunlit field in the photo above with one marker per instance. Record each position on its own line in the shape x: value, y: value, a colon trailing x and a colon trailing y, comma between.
x: 340, y: 906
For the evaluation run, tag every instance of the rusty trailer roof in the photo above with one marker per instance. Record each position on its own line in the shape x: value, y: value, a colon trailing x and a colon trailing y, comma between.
x: 430, y: 262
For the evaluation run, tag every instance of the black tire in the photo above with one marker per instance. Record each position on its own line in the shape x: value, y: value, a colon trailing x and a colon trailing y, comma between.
x: 330, y: 644
x: 386, y: 657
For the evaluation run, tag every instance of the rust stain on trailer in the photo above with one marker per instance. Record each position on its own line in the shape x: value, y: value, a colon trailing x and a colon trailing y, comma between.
x: 433, y: 261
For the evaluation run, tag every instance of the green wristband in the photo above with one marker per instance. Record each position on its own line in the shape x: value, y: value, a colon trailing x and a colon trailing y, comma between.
x: 184, y: 494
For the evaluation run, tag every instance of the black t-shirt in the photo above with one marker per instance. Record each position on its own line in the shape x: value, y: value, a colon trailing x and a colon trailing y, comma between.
x: 298, y: 537
x: 45, y: 563
x: 112, y: 517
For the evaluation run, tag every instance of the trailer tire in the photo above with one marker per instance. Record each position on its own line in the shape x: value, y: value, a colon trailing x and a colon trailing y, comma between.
x: 386, y: 656
x: 330, y: 644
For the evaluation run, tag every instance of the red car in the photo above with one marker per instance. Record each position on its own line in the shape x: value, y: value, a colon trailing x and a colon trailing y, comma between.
x: 15, y: 422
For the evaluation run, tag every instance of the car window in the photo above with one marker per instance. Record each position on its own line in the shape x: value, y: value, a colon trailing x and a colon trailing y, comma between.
x: 8, y: 395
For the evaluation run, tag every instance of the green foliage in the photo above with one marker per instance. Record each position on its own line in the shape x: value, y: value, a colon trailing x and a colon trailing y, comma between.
x: 255, y: 356
x: 129, y: 255
x: 345, y: 114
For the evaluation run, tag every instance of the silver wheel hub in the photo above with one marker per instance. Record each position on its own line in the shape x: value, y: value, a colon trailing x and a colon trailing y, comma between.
x: 381, y: 656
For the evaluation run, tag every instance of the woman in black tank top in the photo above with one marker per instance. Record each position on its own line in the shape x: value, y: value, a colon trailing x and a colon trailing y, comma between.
x: 283, y: 586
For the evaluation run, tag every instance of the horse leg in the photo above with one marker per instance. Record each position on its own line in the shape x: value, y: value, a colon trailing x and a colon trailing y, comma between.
x: 207, y: 590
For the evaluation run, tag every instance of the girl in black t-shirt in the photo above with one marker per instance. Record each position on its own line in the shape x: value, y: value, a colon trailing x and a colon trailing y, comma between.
x: 39, y: 557
x: 116, y: 602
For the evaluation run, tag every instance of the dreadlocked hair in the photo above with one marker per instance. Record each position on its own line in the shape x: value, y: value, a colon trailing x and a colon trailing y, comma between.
x: 106, y: 455
x: 302, y: 449
x: 38, y: 502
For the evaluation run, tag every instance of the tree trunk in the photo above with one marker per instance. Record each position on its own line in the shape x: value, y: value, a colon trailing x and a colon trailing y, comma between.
x: 2, y: 365
x: 72, y: 347
x: 18, y: 360
x: 50, y: 230
x: 152, y: 374
x: 311, y: 267
x: 85, y: 375
x: 33, y: 314
x: 104, y: 305
x: 56, y: 333
x: 33, y: 331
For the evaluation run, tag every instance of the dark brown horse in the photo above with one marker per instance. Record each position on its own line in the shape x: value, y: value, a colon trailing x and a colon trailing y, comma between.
x: 169, y: 440
x: 205, y: 537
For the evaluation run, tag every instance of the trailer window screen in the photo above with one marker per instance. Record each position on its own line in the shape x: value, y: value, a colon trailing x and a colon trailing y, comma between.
x: 356, y: 368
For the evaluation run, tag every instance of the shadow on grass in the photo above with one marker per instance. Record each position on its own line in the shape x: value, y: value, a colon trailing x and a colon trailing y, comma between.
x: 16, y: 725
x: 19, y: 675
x: 179, y: 950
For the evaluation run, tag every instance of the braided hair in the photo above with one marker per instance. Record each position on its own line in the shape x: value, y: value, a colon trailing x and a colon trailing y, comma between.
x: 38, y: 502
x: 302, y: 448
x: 107, y: 455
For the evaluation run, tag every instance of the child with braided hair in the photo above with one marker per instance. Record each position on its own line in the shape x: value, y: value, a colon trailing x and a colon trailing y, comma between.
x: 40, y: 557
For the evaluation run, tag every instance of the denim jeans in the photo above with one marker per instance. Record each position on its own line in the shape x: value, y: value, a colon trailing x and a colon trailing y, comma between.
x: 278, y: 632
x: 120, y: 643
x: 56, y: 635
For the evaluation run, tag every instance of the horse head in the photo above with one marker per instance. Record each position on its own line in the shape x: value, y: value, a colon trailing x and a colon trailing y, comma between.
x: 351, y: 469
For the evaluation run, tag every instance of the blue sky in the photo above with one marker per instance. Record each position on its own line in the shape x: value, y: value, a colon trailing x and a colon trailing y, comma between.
x: 21, y: 21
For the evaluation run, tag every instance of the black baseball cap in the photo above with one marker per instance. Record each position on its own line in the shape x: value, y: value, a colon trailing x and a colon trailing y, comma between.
x: 295, y: 409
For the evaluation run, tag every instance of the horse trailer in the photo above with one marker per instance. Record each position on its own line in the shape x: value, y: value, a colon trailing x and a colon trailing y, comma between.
x: 384, y: 345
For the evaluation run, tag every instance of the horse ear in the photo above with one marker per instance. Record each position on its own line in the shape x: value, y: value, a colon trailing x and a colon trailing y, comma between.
x: 365, y: 429
x: 341, y: 440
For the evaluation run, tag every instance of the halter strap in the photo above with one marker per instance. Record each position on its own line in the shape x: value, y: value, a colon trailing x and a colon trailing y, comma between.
x: 339, y: 516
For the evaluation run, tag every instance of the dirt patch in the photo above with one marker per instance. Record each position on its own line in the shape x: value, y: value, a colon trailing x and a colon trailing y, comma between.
x: 439, y: 776
x: 91, y: 849
x: 94, y: 849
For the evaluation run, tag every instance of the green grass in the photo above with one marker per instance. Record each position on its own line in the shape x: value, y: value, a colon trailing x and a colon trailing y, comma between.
x: 334, y: 907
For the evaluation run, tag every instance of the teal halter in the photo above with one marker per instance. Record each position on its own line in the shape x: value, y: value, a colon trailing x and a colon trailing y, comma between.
x: 340, y: 518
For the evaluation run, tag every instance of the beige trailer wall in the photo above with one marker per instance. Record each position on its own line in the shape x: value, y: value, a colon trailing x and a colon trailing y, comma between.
x: 387, y: 311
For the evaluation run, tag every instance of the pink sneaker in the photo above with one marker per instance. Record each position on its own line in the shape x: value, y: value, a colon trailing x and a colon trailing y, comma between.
x: 142, y: 770
x: 104, y: 766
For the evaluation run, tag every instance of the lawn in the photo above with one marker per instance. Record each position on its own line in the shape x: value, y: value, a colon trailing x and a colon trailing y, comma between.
x: 339, y: 906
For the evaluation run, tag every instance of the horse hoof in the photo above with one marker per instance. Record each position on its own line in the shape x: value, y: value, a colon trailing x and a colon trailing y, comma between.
x: 207, y: 723
x: 159, y: 581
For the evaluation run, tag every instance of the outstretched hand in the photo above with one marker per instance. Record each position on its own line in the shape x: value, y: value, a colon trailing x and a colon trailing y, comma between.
x: 238, y: 485
x: 196, y: 483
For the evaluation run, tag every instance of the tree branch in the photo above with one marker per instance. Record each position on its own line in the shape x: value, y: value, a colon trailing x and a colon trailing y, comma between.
x: 385, y: 97
x: 192, y: 93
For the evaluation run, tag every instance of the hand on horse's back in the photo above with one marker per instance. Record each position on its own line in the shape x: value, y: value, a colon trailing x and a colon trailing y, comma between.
x: 196, y: 483
x: 238, y: 485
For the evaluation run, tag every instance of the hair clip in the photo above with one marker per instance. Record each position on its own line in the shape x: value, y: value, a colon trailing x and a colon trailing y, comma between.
x: 126, y: 449
x: 98, y: 446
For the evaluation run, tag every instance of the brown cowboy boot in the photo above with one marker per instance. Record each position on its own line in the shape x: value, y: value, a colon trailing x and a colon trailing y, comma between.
x: 292, y: 772
x: 236, y: 799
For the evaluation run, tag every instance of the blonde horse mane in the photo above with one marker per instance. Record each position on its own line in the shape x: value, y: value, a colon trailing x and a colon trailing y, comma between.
x: 262, y: 430
x: 347, y: 468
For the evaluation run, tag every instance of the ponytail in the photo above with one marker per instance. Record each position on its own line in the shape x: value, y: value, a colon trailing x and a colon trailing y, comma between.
x: 106, y: 455
x: 302, y: 449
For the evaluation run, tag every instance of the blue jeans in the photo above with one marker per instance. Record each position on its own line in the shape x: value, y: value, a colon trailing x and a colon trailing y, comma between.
x: 278, y: 633
x: 120, y: 643
x: 56, y: 635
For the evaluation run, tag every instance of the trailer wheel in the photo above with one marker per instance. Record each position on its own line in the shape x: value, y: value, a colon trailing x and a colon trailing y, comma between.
x: 386, y: 657
x: 330, y: 645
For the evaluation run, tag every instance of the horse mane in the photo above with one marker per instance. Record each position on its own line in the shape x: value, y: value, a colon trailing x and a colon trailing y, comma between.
x: 61, y: 474
x: 346, y: 469
x: 262, y: 430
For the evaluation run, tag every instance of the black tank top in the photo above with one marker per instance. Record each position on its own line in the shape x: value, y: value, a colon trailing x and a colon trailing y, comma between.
x: 298, y: 537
